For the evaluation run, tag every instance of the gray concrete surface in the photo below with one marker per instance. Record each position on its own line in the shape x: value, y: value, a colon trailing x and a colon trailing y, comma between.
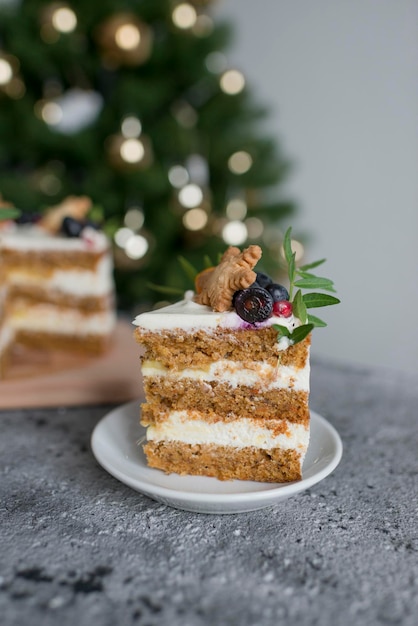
x: 80, y: 548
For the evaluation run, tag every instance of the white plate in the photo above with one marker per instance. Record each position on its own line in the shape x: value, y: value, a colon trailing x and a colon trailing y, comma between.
x: 115, y: 444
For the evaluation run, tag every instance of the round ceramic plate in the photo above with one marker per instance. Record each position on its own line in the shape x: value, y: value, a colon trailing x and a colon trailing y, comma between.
x: 116, y: 445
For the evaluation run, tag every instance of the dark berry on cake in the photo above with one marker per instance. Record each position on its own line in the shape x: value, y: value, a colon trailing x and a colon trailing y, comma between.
x: 278, y: 292
x: 72, y: 227
x: 254, y: 304
x: 263, y: 280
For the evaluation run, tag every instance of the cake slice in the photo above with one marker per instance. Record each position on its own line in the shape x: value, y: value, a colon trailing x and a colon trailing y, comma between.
x: 226, y: 377
x: 56, y: 284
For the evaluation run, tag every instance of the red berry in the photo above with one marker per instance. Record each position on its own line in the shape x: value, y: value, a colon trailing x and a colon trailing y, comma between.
x: 283, y: 308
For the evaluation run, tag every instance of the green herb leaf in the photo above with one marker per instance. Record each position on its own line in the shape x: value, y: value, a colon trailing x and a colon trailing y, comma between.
x: 315, y: 283
x: 303, y: 274
x: 299, y: 307
x: 316, y: 321
x: 207, y: 261
x: 282, y: 330
x: 190, y: 271
x: 9, y: 214
x: 301, y: 332
x: 172, y: 291
x: 290, y: 259
x: 310, y: 266
x: 314, y: 300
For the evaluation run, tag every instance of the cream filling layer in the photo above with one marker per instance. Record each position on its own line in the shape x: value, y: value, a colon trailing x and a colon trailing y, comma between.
x: 189, y: 427
x: 235, y: 374
x: 32, y: 237
x: 72, y: 282
x: 47, y: 318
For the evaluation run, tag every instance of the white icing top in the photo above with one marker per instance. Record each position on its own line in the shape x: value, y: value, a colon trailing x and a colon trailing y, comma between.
x: 188, y: 315
x: 32, y: 237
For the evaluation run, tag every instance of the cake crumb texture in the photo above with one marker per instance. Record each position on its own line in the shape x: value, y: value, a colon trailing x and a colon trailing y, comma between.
x: 220, y: 401
x: 225, y: 462
x: 179, y: 349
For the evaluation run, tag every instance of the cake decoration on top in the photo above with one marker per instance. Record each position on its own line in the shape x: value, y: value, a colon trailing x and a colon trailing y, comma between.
x: 234, y: 284
x: 75, y: 207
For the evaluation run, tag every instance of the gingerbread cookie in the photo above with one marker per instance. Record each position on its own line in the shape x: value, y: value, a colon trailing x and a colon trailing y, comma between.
x: 72, y: 206
x: 216, y: 286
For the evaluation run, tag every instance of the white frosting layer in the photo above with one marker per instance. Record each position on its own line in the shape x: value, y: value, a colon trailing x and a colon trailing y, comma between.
x: 188, y: 315
x: 188, y: 427
x: 75, y: 282
x: 234, y: 373
x: 32, y: 237
x: 48, y: 318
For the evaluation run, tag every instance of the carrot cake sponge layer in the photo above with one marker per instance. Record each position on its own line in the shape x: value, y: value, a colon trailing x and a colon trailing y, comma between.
x: 224, y: 398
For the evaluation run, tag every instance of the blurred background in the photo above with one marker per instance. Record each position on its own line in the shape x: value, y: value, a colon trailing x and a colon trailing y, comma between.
x: 196, y: 125
x: 342, y: 81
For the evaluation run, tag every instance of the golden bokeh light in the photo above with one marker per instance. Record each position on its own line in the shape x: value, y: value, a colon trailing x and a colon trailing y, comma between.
x: 195, y: 219
x: 255, y: 227
x: 127, y: 37
x: 236, y: 209
x: 240, y: 162
x: 51, y: 113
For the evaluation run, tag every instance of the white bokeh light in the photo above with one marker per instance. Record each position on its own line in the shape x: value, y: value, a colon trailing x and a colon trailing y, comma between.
x: 64, y: 20
x: 178, y: 176
x: 184, y: 15
x: 234, y: 233
x: 190, y: 196
x: 6, y: 72
x: 122, y: 235
x: 136, y: 247
x: 134, y: 218
x: 131, y: 127
x: 232, y: 82
x: 132, y: 150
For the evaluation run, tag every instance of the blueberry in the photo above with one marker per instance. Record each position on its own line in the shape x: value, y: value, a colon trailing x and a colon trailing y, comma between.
x: 254, y: 304
x: 263, y: 279
x: 72, y: 227
x: 278, y: 292
x: 28, y: 218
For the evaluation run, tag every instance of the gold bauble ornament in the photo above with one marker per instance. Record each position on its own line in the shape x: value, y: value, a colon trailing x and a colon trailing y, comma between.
x: 124, y: 40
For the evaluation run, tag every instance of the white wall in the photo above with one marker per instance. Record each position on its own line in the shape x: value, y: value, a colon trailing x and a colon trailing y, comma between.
x: 341, y: 80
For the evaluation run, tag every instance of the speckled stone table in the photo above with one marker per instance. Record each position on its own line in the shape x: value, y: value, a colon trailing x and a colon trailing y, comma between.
x: 78, y: 547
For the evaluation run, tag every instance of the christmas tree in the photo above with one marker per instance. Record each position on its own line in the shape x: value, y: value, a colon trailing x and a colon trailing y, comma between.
x: 134, y: 104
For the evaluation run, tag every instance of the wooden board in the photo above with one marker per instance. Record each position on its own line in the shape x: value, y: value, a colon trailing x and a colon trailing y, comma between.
x: 38, y: 379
